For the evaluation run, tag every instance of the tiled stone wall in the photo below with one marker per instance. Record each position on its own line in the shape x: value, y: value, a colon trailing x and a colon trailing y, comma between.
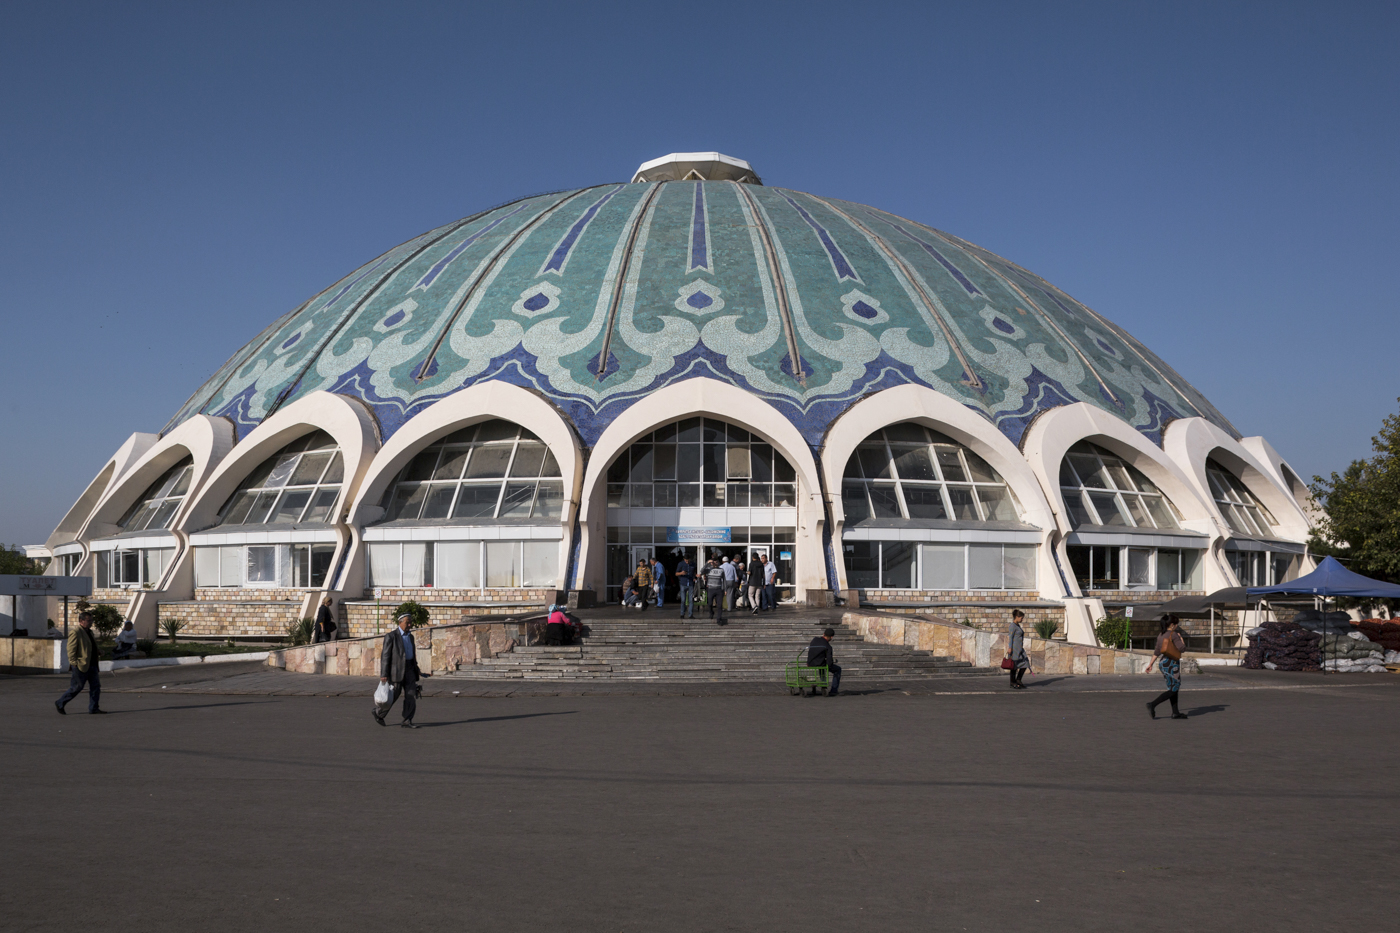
x: 359, y: 618
x: 233, y: 594
x: 432, y: 594
x: 23, y: 655
x: 977, y: 615
x: 264, y: 618
x: 986, y: 649
x: 448, y: 646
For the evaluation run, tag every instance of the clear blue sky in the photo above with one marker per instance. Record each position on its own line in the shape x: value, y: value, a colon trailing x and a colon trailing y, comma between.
x: 1220, y: 179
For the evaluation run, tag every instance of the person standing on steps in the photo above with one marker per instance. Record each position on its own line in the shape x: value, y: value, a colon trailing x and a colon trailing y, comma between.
x: 325, y: 622
x: 1167, y: 657
x: 731, y: 582
x: 1016, y: 649
x: 714, y: 590
x: 740, y: 571
x: 685, y: 579
x: 770, y: 583
x: 82, y: 662
x: 398, y: 665
x: 643, y: 578
x: 755, y: 584
x: 658, y: 574
x: 819, y: 652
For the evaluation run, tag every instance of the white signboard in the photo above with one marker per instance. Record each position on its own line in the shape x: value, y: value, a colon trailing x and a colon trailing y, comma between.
x: 23, y: 585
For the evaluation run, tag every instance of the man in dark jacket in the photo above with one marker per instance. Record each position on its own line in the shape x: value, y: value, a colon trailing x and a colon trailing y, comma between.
x: 819, y: 652
x: 398, y: 665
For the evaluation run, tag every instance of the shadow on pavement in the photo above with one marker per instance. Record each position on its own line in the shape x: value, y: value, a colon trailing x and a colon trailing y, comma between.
x: 1202, y: 710
x: 463, y: 722
x: 1045, y: 681
x: 158, y: 709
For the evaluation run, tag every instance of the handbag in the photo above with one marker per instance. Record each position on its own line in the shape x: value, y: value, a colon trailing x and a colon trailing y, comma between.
x: 1007, y: 664
x: 1170, y: 649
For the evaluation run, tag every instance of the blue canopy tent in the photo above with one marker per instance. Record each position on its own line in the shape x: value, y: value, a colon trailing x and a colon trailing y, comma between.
x: 1330, y: 579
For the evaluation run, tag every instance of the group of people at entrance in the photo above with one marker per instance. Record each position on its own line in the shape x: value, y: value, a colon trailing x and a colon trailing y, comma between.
x: 723, y: 583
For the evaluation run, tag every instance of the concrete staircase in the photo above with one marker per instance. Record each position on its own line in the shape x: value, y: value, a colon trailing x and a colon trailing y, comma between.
x: 659, y: 646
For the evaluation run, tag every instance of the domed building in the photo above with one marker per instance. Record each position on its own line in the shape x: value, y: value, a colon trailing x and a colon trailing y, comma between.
x: 521, y: 404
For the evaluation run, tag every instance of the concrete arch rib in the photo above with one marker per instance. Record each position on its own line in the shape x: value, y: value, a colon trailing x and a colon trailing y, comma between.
x: 481, y: 402
x: 702, y: 397
x: 1190, y: 442
x: 910, y: 403
x: 79, y: 518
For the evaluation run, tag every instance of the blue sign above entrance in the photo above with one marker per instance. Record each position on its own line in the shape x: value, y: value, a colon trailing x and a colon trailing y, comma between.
x: 697, y: 535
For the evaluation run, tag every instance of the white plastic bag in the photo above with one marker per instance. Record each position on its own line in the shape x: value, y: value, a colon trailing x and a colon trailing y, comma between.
x: 383, y: 695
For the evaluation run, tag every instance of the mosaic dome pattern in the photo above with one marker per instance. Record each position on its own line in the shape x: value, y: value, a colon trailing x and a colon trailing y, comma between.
x: 600, y: 296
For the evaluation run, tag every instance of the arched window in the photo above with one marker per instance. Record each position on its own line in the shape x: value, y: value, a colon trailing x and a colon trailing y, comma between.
x: 911, y: 472
x: 492, y: 470
x: 157, y: 506
x: 1241, y: 508
x: 299, y: 483
x: 701, y: 462
x: 1103, y: 489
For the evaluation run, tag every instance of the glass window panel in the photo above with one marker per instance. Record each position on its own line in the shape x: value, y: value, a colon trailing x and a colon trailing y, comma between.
x: 853, y: 467
x: 1067, y: 477
x: 230, y: 566
x: 520, y: 497
x: 335, y: 473
x: 688, y: 463
x: 398, y: 506
x: 1080, y: 560
x: 262, y: 508
x: 438, y: 503
x: 981, y: 470
x: 738, y: 462
x: 237, y: 511
x: 784, y: 495
x: 182, y: 482
x: 1089, y: 471
x: 1106, y: 504
x: 321, y: 505
x: 641, y: 464
x: 664, y: 462
x: 488, y: 462
x: 1141, y: 481
x: 411, y: 569
x: 951, y: 465
x: 897, y: 565
x: 713, y: 431
x: 529, y: 457
x: 457, y: 564
x: 540, y: 563
x: 476, y: 501
x: 1161, y: 513
x: 321, y: 557
x: 1280, y: 568
x: 739, y: 495
x: 639, y: 495
x: 863, y: 564
x: 301, y: 565
x: 281, y: 471
x: 714, y: 463
x: 1079, y: 513
x: 782, y: 470
x: 497, y: 430
x: 996, y: 504
x: 1018, y: 566
x: 206, y: 566
x: 853, y: 502
x: 617, y: 472
x: 502, y: 563
x: 984, y: 567
x: 688, y: 495
x: 738, y: 435
x: 255, y: 479
x: 126, y: 567
x: 713, y: 494
x: 1168, y: 569
x: 1254, y: 513
x: 316, y: 440
x: 1191, y: 570
x: 617, y: 495
x: 1136, y: 510
x: 450, y: 465
x: 141, y: 517
x: 1119, y: 474
x: 666, y: 433
x: 905, y: 433
x: 1139, y: 566
x: 163, y: 515
x: 884, y: 503
x: 1105, y: 568
x: 761, y: 458
x: 664, y: 495
x: 549, y: 501
x: 551, y: 466
x: 963, y: 505
x: 925, y: 501
x: 153, y: 564
x: 1236, y: 519
x: 261, y: 565
x: 914, y: 463
x: 875, y: 461
x: 944, y: 566
x: 310, y: 468
x: 688, y: 430
x: 463, y: 436
x: 291, y: 506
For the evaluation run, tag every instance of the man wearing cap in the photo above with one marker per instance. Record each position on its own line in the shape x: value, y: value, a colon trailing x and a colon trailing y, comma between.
x: 398, y: 665
x: 819, y: 652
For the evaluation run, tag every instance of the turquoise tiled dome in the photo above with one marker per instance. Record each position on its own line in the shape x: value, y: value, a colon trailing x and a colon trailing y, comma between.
x: 599, y: 296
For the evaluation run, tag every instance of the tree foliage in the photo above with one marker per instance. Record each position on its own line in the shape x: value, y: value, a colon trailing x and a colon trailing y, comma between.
x: 1360, y: 518
x: 13, y: 561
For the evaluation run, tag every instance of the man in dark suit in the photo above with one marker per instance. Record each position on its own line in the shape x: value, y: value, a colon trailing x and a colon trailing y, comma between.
x: 82, y: 662
x: 398, y: 665
x: 819, y: 652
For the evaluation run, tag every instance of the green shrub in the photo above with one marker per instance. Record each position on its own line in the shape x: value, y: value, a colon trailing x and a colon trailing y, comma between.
x: 418, y: 614
x: 146, y: 646
x: 172, y: 627
x: 1113, y: 632
x: 300, y: 631
x: 1046, y: 628
x: 106, y: 620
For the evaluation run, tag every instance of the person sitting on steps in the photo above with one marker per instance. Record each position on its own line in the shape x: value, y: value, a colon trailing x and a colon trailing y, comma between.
x: 819, y: 652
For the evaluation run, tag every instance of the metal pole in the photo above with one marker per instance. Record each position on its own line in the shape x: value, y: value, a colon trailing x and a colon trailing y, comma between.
x: 65, y: 620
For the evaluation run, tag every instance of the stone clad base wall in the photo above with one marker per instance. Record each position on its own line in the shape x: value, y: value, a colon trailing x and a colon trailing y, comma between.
x: 233, y: 594
x: 359, y: 618
x: 20, y: 655
x: 986, y: 649
x: 448, y: 646
x: 266, y: 618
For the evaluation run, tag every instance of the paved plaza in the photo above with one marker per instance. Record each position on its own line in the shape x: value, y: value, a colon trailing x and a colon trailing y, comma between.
x: 234, y: 797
